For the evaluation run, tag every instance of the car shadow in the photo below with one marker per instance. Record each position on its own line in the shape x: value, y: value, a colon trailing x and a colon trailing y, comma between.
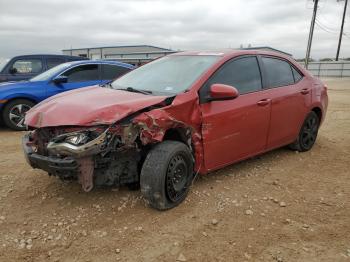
x: 249, y: 167
x: 246, y: 168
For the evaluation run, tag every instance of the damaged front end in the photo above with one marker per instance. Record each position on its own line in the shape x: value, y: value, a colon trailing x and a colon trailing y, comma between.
x: 100, y: 156
x: 102, y: 152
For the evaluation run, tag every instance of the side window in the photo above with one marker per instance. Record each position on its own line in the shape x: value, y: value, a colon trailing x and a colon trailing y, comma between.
x: 83, y: 73
x: 279, y: 72
x: 110, y: 72
x: 27, y: 66
x: 52, y: 62
x: 296, y: 74
x: 242, y: 73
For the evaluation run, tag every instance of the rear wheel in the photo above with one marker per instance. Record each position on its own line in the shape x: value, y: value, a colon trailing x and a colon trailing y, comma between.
x: 308, y: 133
x: 14, y: 112
x: 167, y: 174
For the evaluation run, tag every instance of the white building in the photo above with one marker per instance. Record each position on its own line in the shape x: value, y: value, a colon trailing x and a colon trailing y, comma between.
x: 136, y: 54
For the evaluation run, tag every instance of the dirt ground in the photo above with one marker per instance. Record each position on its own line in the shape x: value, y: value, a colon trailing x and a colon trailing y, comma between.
x: 280, y: 206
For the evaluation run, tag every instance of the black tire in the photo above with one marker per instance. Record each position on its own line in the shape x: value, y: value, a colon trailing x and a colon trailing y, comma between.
x: 307, y: 134
x: 133, y: 186
x: 13, y: 113
x: 167, y: 174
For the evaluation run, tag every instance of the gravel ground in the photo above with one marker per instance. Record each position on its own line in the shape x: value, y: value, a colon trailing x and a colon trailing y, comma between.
x: 280, y: 206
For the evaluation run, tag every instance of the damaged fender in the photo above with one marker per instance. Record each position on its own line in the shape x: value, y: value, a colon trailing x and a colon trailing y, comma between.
x: 154, y: 125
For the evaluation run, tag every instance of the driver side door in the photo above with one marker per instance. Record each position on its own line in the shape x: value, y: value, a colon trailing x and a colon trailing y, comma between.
x: 79, y: 76
x: 238, y: 128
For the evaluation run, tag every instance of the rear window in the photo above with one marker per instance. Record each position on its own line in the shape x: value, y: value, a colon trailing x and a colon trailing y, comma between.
x: 52, y: 62
x: 110, y: 72
x: 279, y: 72
x: 27, y: 66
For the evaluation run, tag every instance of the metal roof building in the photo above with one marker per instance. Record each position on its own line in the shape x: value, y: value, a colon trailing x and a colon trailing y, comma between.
x: 133, y: 54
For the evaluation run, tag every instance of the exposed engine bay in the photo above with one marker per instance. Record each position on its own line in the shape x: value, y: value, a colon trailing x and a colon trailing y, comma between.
x: 94, y: 157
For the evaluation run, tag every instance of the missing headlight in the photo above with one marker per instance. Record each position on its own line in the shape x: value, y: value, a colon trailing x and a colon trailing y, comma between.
x: 77, y: 138
x: 78, y: 144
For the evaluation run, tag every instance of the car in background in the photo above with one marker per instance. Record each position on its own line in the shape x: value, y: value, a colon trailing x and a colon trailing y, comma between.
x: 27, y: 66
x: 18, y: 97
x: 183, y: 114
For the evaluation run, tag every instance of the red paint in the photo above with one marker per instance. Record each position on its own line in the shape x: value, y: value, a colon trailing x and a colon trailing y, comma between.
x: 88, y: 107
x: 221, y: 132
x: 223, y: 91
x: 234, y: 129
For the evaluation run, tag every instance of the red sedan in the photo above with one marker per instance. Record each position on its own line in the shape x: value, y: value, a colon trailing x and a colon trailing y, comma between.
x: 187, y: 113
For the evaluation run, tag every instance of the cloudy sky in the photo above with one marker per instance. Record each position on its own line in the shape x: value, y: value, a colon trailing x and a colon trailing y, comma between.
x: 48, y: 26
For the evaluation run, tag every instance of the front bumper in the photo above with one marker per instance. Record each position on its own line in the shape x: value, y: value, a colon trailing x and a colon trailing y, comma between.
x: 66, y: 167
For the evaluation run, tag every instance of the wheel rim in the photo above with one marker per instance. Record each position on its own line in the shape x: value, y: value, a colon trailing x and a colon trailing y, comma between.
x: 309, y: 134
x: 17, y: 114
x: 177, y: 177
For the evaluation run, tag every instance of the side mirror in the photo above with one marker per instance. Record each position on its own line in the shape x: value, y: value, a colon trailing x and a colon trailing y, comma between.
x: 13, y: 71
x: 60, y: 80
x: 222, y: 92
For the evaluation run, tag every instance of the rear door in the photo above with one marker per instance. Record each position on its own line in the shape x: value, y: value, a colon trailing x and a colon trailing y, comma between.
x: 290, y: 97
x: 235, y: 129
x: 78, y: 76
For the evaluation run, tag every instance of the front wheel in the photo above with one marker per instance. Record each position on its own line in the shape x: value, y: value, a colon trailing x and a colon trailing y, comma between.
x: 14, y: 113
x: 167, y: 174
x: 308, y: 133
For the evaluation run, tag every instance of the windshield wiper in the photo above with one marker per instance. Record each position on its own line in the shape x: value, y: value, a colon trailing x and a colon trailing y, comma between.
x: 131, y: 89
x: 109, y: 84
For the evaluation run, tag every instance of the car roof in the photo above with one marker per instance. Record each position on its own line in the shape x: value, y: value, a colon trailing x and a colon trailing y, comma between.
x: 49, y: 55
x: 107, y: 62
x: 224, y: 53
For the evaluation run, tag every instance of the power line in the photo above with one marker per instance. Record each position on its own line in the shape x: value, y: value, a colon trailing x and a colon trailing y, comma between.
x: 328, y: 30
x: 320, y: 25
x: 325, y: 28
x: 324, y: 21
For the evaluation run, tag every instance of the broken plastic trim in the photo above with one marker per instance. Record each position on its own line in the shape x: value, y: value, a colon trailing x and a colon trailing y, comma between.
x: 128, y: 119
x: 68, y: 149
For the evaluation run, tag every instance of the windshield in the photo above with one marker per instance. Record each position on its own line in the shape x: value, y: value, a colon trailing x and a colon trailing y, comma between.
x: 168, y: 75
x: 3, y: 62
x: 47, y: 75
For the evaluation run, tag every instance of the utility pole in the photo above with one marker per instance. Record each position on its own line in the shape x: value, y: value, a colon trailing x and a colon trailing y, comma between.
x: 311, y: 33
x: 341, y: 30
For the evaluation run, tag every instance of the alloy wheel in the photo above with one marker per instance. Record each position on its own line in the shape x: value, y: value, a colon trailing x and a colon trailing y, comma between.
x: 17, y: 114
x: 309, y: 133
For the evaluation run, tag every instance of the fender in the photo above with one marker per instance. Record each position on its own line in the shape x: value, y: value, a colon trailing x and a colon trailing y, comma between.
x: 11, y: 97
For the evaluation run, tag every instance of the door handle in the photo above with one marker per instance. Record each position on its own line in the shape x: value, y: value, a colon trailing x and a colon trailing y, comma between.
x: 264, y: 102
x: 305, y: 91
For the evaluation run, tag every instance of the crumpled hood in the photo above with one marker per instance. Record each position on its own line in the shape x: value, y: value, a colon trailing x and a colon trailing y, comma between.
x: 87, y: 107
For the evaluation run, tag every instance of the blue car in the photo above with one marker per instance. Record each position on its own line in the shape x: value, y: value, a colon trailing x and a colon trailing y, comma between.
x: 25, y: 67
x: 18, y: 97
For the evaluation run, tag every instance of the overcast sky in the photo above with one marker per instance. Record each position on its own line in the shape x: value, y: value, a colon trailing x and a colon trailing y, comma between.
x: 48, y: 26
